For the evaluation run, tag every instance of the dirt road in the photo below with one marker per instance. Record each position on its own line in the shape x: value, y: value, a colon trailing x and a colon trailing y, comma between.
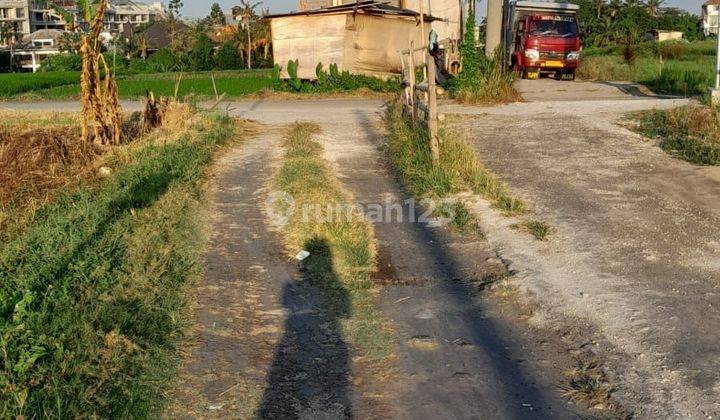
x: 632, y: 269
x: 636, y: 250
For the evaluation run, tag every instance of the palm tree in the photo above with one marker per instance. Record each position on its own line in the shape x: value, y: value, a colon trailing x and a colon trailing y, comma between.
x: 653, y: 6
x: 248, y: 16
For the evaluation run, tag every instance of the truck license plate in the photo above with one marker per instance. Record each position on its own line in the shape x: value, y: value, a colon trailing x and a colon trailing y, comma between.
x: 553, y: 64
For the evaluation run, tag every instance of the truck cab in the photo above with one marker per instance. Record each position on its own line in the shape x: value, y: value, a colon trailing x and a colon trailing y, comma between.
x: 542, y: 37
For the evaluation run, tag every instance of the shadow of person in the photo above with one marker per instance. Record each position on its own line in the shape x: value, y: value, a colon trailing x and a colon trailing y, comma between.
x: 309, y: 377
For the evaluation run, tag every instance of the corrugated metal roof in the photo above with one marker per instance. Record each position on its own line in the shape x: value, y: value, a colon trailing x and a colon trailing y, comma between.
x: 367, y: 6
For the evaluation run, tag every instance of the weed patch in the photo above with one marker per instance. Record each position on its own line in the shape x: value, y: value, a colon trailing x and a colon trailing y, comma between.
x: 459, y: 169
x: 92, y: 293
x: 537, y: 228
x: 689, y: 132
x: 482, y: 80
x: 588, y: 385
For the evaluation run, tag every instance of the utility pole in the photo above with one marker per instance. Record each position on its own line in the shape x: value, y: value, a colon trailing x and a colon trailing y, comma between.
x: 493, y: 28
x: 246, y: 18
x: 715, y: 93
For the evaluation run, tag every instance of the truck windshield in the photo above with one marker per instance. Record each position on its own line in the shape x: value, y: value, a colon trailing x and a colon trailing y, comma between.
x: 559, y: 26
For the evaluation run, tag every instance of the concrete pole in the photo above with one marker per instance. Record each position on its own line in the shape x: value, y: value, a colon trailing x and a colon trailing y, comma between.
x: 715, y: 93
x: 493, y: 30
x: 717, y: 58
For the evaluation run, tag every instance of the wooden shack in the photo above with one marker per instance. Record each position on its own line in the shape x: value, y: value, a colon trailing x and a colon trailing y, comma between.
x: 362, y: 38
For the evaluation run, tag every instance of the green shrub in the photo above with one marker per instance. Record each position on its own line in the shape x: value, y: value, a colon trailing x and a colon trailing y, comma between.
x: 162, y: 61
x: 674, y: 79
x: 62, y: 62
x: 604, y: 68
x: 482, y: 80
x: 227, y: 57
x: 201, y: 54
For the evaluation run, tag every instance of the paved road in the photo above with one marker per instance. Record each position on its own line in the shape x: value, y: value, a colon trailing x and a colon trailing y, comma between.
x: 637, y: 245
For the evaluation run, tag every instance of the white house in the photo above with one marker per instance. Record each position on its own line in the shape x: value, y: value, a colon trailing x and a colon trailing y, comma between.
x: 710, y: 14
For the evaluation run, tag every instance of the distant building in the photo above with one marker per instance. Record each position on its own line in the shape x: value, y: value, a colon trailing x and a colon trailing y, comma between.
x: 28, y: 16
x: 36, y: 47
x: 710, y: 14
x: 122, y: 13
x: 14, y: 14
x: 661, y: 35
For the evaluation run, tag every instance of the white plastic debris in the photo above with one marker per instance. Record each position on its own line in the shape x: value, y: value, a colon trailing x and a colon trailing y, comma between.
x: 302, y: 255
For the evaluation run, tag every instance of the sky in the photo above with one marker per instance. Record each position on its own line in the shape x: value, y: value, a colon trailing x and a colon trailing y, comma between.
x: 201, y: 8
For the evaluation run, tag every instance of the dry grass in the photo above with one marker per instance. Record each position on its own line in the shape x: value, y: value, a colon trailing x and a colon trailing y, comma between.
x: 588, y: 385
x: 41, y: 154
x: 35, y: 163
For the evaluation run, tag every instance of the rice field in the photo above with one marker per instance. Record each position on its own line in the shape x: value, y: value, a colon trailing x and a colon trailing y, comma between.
x: 65, y: 85
x: 14, y: 84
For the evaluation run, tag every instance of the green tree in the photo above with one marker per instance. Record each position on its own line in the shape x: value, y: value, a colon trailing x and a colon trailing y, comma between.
x: 217, y: 16
x: 227, y: 57
x: 251, y: 23
x: 201, y: 55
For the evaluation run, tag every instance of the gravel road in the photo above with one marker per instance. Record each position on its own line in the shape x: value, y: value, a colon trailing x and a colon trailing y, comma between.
x: 636, y: 248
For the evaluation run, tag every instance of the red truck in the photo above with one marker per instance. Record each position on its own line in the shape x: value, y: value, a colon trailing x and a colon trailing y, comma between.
x: 541, y: 37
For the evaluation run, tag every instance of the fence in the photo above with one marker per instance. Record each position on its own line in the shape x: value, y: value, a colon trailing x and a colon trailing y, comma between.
x: 421, y: 98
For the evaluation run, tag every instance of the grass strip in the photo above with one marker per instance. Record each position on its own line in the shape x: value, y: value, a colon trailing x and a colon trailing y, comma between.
x: 92, y: 295
x: 341, y: 245
x: 689, y: 132
x: 459, y: 169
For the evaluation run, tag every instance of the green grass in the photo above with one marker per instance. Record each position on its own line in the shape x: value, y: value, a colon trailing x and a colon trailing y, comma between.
x: 92, y: 294
x: 459, y: 169
x: 689, y: 132
x: 233, y: 83
x: 14, y: 84
x: 342, y: 249
x: 672, y: 68
x: 537, y: 228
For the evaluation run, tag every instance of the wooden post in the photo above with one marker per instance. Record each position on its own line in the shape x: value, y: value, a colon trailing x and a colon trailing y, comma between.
x: 413, y: 109
x: 432, y: 116
x: 423, y: 36
x: 212, y: 77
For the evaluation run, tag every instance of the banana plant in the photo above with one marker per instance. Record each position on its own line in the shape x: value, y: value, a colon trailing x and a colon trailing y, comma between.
x: 101, y: 106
